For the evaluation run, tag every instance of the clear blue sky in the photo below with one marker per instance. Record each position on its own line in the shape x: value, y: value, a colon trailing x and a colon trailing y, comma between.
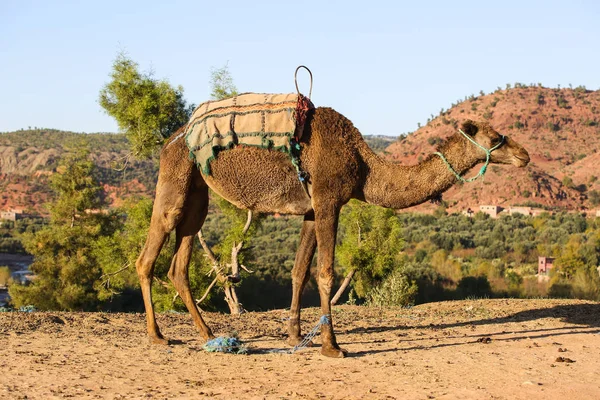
x: 386, y: 65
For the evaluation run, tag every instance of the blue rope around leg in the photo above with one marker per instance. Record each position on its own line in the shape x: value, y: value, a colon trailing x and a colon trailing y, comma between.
x: 324, y: 320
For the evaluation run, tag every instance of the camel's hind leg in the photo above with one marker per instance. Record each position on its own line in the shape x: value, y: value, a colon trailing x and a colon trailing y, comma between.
x: 162, y: 223
x: 172, y: 191
x: 195, y: 213
x: 300, y: 275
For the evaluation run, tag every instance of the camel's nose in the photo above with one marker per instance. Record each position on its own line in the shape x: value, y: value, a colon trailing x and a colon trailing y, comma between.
x: 521, y: 158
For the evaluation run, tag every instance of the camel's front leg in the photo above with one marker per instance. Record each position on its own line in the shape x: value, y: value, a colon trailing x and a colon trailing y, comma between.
x: 300, y: 275
x: 326, y: 221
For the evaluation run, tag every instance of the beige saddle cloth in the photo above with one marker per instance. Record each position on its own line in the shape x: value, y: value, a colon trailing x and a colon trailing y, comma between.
x: 269, y: 121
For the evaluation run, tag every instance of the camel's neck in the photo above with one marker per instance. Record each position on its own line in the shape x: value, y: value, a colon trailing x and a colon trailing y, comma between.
x: 395, y: 186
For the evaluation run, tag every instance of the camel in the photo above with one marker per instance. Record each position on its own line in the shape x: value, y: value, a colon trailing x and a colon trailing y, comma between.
x: 341, y: 167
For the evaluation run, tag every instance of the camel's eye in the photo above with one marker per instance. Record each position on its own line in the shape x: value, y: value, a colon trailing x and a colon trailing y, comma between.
x: 497, y: 141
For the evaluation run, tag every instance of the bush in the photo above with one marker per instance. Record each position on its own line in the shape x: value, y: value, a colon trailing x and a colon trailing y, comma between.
x: 395, y: 290
x: 4, y: 276
x: 594, y: 197
x: 474, y: 286
x: 560, y: 290
x: 561, y: 102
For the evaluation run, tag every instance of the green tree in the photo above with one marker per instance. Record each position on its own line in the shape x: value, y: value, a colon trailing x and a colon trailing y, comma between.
x: 594, y: 197
x: 570, y: 260
x: 148, y: 110
x: 4, y: 276
x: 118, y: 252
x: 221, y: 83
x: 64, y: 264
x: 568, y: 182
x: 371, y: 240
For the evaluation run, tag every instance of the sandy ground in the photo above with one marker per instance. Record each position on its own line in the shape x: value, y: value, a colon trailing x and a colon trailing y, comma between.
x: 480, y: 349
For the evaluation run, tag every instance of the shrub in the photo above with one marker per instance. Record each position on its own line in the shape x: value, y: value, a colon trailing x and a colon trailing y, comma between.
x: 553, y: 126
x: 560, y: 290
x: 4, y: 276
x: 474, y: 286
x: 395, y: 290
x: 561, y: 102
x: 435, y: 140
x: 594, y: 197
x: 539, y: 98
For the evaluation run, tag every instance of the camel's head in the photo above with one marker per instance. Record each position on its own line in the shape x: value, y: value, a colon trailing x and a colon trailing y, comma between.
x: 505, y: 150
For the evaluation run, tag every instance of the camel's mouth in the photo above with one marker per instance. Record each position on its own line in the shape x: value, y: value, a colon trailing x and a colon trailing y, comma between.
x: 521, y: 160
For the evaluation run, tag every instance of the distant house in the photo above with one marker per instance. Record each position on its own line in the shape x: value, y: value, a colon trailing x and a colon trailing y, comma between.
x: 545, y: 264
x: 529, y: 211
x: 492, y: 211
x: 13, y: 215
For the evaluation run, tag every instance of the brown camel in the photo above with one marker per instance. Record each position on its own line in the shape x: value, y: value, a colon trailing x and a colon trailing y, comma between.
x: 341, y: 167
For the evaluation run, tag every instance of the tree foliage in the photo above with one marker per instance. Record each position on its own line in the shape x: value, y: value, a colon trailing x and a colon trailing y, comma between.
x: 221, y: 83
x: 370, y: 243
x: 64, y: 264
x: 148, y: 110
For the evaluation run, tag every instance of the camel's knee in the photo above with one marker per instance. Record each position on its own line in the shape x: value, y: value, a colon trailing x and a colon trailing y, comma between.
x: 326, y: 279
x: 144, y: 272
x: 170, y: 218
x: 178, y: 278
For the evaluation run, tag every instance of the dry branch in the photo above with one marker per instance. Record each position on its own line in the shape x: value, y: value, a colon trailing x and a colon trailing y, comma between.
x: 217, y: 267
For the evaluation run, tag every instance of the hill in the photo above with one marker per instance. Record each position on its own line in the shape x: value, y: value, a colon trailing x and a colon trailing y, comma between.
x: 559, y: 127
x: 29, y: 157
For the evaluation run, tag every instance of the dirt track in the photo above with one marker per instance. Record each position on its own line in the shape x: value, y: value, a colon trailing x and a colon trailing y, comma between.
x: 481, y: 349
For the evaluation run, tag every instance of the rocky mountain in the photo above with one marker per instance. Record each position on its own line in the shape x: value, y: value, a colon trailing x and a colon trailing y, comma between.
x: 559, y: 127
x: 29, y: 157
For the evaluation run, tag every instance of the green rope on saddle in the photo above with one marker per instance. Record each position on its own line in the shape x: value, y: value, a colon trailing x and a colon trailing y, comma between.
x: 488, y: 153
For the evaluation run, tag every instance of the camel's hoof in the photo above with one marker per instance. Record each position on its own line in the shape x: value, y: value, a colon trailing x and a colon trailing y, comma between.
x: 209, y: 337
x: 296, y: 340
x: 159, y: 340
x: 333, y: 353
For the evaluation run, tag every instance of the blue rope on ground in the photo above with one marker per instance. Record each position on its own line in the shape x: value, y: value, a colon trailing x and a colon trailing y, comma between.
x: 225, y: 344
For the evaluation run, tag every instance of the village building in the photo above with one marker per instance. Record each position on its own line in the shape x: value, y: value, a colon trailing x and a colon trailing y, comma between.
x: 545, y: 264
x: 529, y: 211
x: 491, y: 210
x: 11, y: 215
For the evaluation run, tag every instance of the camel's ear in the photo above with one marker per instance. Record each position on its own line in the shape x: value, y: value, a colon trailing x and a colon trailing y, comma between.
x: 469, y: 127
